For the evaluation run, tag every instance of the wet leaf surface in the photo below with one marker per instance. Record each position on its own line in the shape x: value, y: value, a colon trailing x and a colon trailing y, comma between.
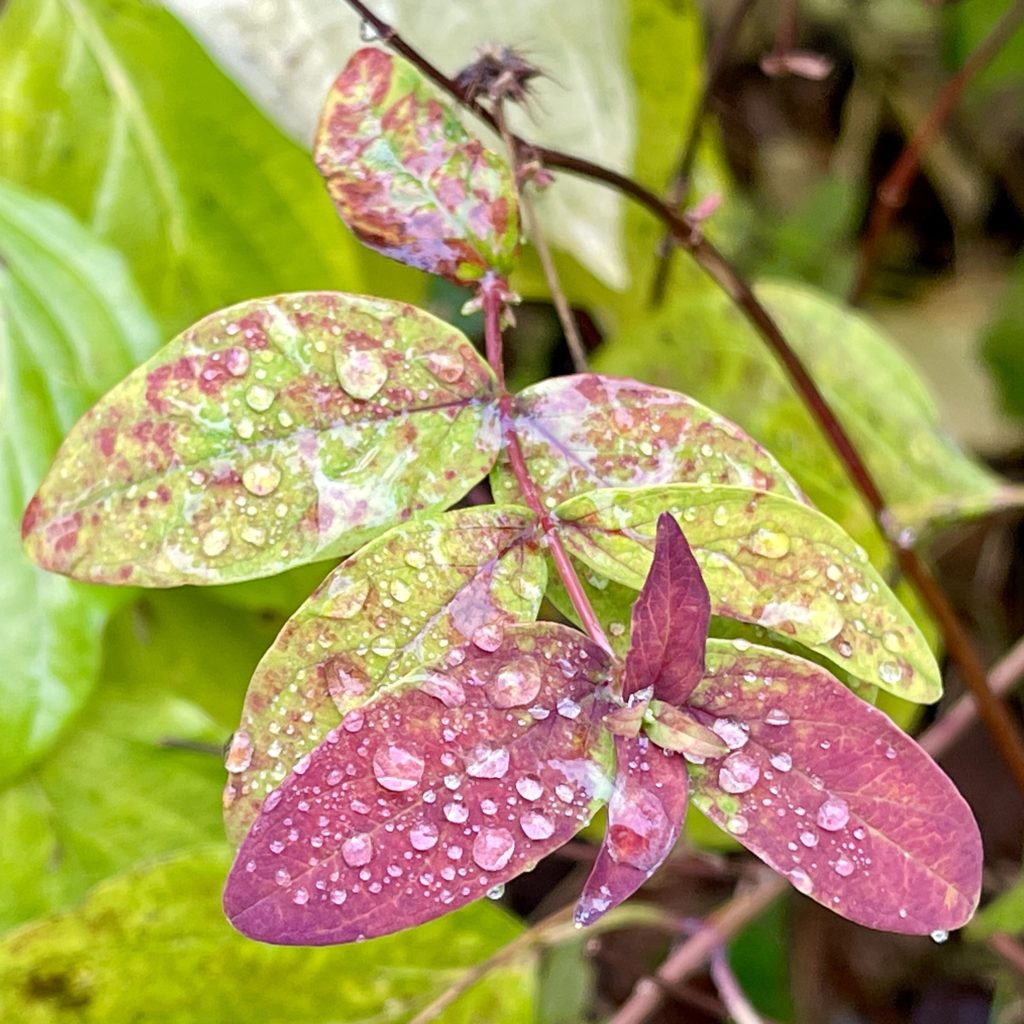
x: 406, y: 177
x: 670, y: 621
x: 399, y: 603
x: 271, y: 434
x: 435, y: 796
x: 767, y: 560
x: 825, y: 789
x: 587, y: 431
x: 645, y: 816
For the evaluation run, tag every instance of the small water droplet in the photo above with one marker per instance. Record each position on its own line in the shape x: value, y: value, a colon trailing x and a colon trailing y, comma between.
x: 353, y: 720
x: 536, y: 826
x: 301, y: 897
x: 396, y: 768
x: 496, y: 892
x: 400, y: 590
x: 216, y: 542
x: 529, y: 787
x: 259, y: 397
x: 568, y: 708
x: 939, y: 935
x: 338, y: 896
x: 844, y: 867
x: 345, y: 597
x: 833, y: 814
x: 423, y: 837
x: 493, y: 848
x: 776, y: 716
x: 781, y: 761
x: 890, y: 672
x: 809, y: 839
x: 282, y: 876
x: 237, y: 361
x: 367, y: 33
x: 516, y: 684
x: 450, y: 692
x: 801, y: 881
x: 261, y: 478
x: 357, y: 850
x: 892, y: 642
x: 239, y: 755
x: 361, y: 372
x: 488, y: 763
x: 737, y: 825
x: 738, y: 773
x: 446, y: 365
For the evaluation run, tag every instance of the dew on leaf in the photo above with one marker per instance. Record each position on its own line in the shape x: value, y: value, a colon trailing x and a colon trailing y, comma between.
x: 833, y: 814
x: 361, y: 373
x: 732, y: 731
x: 939, y: 935
x: 447, y: 690
x: 236, y: 361
x: 456, y: 812
x: 515, y: 685
x: 769, y: 543
x: 423, y: 837
x: 496, y: 892
x: 489, y: 637
x: 536, y: 826
x: 396, y: 768
x: 638, y: 830
x: 338, y: 896
x: 216, y: 542
x: 809, y: 839
x: 568, y: 708
x: 529, y: 787
x: 400, y: 590
x: 259, y: 397
x: 446, y: 366
x: 737, y: 825
x: 301, y: 897
x: 738, y: 773
x: 890, y: 672
x: 345, y: 597
x: 493, y: 848
x: 239, y: 755
x: 488, y: 763
x: 844, y: 867
x: 801, y: 881
x: 776, y: 716
x: 261, y: 478
x: 357, y: 850
x: 282, y: 876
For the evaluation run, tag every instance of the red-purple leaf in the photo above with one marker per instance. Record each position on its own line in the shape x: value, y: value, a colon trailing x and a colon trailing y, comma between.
x: 431, y: 800
x: 670, y: 621
x: 406, y: 177
x: 645, y: 816
x: 402, y: 601
x: 830, y: 793
x: 271, y: 434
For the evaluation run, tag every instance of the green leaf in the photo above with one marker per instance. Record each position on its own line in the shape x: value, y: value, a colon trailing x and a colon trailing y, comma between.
x: 1003, y: 345
x: 114, y: 109
x: 274, y: 433
x: 1004, y: 914
x: 399, y: 603
x: 701, y: 344
x: 768, y: 560
x: 154, y: 945
x: 71, y: 323
x: 110, y: 793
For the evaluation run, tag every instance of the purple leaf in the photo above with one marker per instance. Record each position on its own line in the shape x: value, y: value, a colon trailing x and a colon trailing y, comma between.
x: 645, y: 816
x: 438, y: 794
x: 670, y: 621
x: 406, y: 177
x: 830, y: 793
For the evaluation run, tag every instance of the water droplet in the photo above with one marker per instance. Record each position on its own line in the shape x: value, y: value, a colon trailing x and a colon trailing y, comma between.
x: 737, y: 825
x: 801, y: 881
x: 834, y: 573
x: 400, y: 590
x: 239, y: 755
x: 568, y: 708
x: 732, y: 731
x: 282, y: 876
x: 456, y: 812
x: 939, y: 935
x: 237, y: 361
x: 536, y: 826
x: 345, y: 597
x: 892, y: 642
x: 357, y: 850
x: 301, y: 897
x: 844, y: 867
x: 496, y: 892
x: 353, y: 720
x: 361, y: 372
x: 738, y: 774
x: 493, y: 848
x: 445, y: 365
x: 423, y: 837
x: 890, y: 672
x: 776, y: 716
x: 367, y: 33
x: 261, y: 478
x: 273, y: 799
x: 638, y: 828
x: 448, y: 691
x: 769, y: 543
x: 338, y: 896
x: 488, y: 763
x: 516, y: 684
x: 397, y: 769
x: 254, y: 535
x: 809, y: 839
x: 720, y: 517
x: 489, y: 637
x: 216, y: 542
x: 833, y: 814
x: 529, y: 787
x: 259, y: 398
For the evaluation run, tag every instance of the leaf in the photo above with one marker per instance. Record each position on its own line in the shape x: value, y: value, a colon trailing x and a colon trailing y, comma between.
x: 71, y: 323
x: 96, y: 963
x: 402, y: 601
x: 111, y: 793
x: 1003, y: 345
x: 114, y: 109
x: 645, y: 816
x: 769, y: 560
x: 287, y: 55
x: 434, y: 796
x: 670, y: 621
x: 408, y: 180
x: 826, y: 790
x: 1003, y: 914
x: 271, y: 434
x: 586, y: 431
x: 703, y: 345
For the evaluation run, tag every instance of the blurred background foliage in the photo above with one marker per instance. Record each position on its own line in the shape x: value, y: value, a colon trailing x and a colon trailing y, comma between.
x: 154, y: 166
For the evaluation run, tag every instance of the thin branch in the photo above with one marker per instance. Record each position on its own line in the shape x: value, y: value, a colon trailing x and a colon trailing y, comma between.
x: 740, y: 1008
x: 679, y: 188
x: 1009, y: 949
x: 892, y: 193
x: 997, y: 720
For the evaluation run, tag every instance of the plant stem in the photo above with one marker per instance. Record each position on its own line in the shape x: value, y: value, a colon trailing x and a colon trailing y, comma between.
x: 1001, y: 727
x: 892, y: 193
x: 493, y: 293
x: 733, y: 996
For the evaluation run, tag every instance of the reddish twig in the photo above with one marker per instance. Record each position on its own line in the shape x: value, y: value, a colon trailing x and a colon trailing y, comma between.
x: 892, y: 193
x: 1009, y: 949
x: 997, y: 720
x: 740, y: 1009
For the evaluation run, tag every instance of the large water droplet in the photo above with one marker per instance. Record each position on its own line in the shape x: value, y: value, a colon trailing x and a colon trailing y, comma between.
x: 345, y: 597
x: 776, y: 716
x: 529, y: 787
x: 781, y: 761
x: 445, y: 365
x: 489, y: 637
x: 216, y: 542
x: 769, y: 543
x: 844, y: 867
x: 396, y: 768
x: 833, y: 814
x: 515, y: 685
x: 638, y: 828
x: 536, y: 826
x: 801, y: 881
x: 259, y: 397
x: 493, y: 848
x: 361, y: 373
x: 456, y: 812
x: 732, y: 731
x: 357, y: 850
x: 261, y: 478
x: 738, y: 773
x: 488, y: 763
x: 239, y: 755
x: 450, y: 692
x: 400, y: 590
x: 423, y: 837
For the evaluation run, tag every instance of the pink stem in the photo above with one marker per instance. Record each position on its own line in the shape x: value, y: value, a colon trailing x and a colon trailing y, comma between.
x: 493, y: 292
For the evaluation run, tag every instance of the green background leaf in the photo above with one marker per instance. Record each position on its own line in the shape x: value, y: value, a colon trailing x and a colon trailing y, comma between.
x: 71, y: 323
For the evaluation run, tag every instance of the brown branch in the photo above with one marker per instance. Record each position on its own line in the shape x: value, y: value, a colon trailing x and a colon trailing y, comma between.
x: 892, y: 193
x: 679, y: 187
x: 997, y: 720
x: 1009, y: 949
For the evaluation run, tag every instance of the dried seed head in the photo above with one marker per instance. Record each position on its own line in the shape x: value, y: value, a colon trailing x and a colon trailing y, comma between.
x: 498, y: 73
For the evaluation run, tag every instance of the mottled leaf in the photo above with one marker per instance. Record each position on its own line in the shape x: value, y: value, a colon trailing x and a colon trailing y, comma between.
x: 433, y: 796
x: 273, y: 433
x: 825, y: 789
x: 587, y: 431
x: 71, y: 324
x: 670, y: 621
x: 406, y: 177
x: 645, y: 816
x: 769, y: 560
x: 679, y: 730
x: 152, y: 945
x: 400, y: 602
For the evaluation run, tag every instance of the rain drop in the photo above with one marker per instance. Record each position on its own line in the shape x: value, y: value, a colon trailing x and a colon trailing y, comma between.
x: 397, y: 769
x: 456, y: 813
x: 529, y: 787
x: 833, y: 814
x: 489, y: 637
x: 496, y: 892
x: 801, y: 881
x: 493, y: 848
x: 488, y: 763
x: 361, y: 372
x: 400, y: 590
x: 939, y: 935
x: 732, y: 731
x: 769, y: 543
x: 259, y: 398
x: 301, y: 897
x: 776, y: 716
x: 216, y: 542
x: 239, y: 755
x: 345, y: 597
x: 357, y: 850
x: 781, y: 761
x: 844, y: 867
x: 446, y: 366
x: 890, y: 672
x: 516, y: 684
x: 738, y: 774
x: 536, y: 826
x: 261, y: 478
x: 423, y: 837
x: 737, y: 825
x: 448, y: 691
